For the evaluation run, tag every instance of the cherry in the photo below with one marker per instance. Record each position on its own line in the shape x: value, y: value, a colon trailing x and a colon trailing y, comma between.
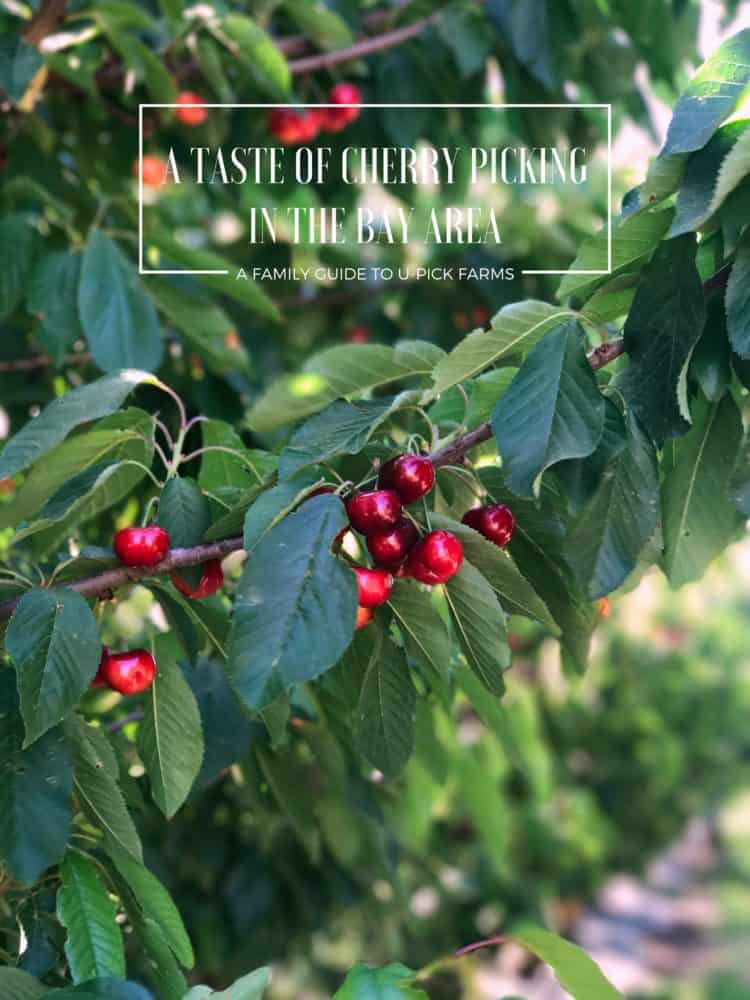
x: 212, y: 579
x: 153, y: 169
x: 375, y: 586
x: 604, y: 607
x: 141, y: 546
x: 292, y: 127
x: 411, y: 476
x: 390, y: 548
x: 495, y: 522
x: 480, y: 315
x: 364, y: 617
x: 358, y: 335
x: 130, y: 672
x: 436, y: 558
x: 375, y: 511
x: 336, y: 119
x: 7, y: 486
x: 188, y: 113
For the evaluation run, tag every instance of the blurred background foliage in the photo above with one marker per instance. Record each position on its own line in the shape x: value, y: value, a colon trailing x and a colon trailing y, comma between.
x: 499, y: 816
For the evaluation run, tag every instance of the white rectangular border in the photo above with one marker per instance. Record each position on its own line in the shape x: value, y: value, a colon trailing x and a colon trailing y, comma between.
x: 608, y: 107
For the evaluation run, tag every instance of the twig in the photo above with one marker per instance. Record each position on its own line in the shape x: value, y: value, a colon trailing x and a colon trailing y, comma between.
x: 46, y: 19
x: 110, y: 580
x: 41, y: 361
x: 365, y: 47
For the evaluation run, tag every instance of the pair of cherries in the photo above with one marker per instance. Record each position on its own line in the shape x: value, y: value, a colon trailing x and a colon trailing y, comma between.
x: 292, y: 127
x: 129, y: 673
x: 149, y: 545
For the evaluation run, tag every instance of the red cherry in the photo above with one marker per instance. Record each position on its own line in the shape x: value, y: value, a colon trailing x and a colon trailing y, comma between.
x: 188, y: 113
x: 129, y: 673
x: 473, y: 518
x: 498, y: 524
x: 390, y: 548
x: 212, y: 579
x: 364, y: 617
x: 411, y: 476
x: 436, y: 558
x: 292, y: 127
x: 336, y: 119
x: 375, y: 511
x: 141, y: 546
x: 375, y: 586
x: 153, y: 169
x: 495, y: 522
x: 358, y: 335
x: 480, y: 315
x: 99, y: 680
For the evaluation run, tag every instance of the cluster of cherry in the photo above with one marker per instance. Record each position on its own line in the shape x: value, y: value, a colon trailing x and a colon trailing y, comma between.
x: 393, y: 539
x: 134, y: 670
x: 293, y: 127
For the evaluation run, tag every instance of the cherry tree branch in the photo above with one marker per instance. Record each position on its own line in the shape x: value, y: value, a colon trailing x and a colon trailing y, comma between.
x: 364, y: 47
x: 110, y: 580
x: 106, y: 583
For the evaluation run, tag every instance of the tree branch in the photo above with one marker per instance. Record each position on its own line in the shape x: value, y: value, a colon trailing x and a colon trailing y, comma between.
x: 35, y: 361
x: 112, y: 579
x: 365, y: 47
x: 43, y: 23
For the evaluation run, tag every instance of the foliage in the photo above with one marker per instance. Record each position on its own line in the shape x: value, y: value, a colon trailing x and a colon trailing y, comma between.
x: 165, y: 395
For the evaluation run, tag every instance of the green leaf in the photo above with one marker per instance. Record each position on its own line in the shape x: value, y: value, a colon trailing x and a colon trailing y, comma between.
x: 249, y: 987
x: 160, y: 966
x: 246, y: 292
x: 386, y: 713
x: 424, y: 632
x: 95, y: 775
x: 62, y: 415
x: 143, y: 63
x: 170, y: 738
x: 392, y: 982
x: 710, y: 362
x: 19, y: 63
x: 55, y: 647
x: 551, y: 411
x: 695, y: 195
x: 184, y: 512
x: 94, y: 942
x: 228, y: 733
x: 698, y: 517
x: 739, y: 484
x: 480, y: 625
x: 202, y: 323
x: 118, y: 317
x: 633, y: 239
x: 613, y: 527
x: 225, y: 475
x: 52, y: 295
x: 738, y: 302
x: 711, y: 96
x: 341, y: 429
x: 342, y: 371
x: 15, y: 984
x: 319, y: 23
x: 663, y: 327
x: 101, y: 989
x: 577, y: 973
x: 295, y: 607
x: 515, y: 593
x: 35, y: 793
x: 257, y: 52
x: 16, y: 257
x: 122, y: 435
x: 155, y: 901
x: 285, y: 777
x: 517, y: 327
x: 274, y: 504
x: 734, y: 168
